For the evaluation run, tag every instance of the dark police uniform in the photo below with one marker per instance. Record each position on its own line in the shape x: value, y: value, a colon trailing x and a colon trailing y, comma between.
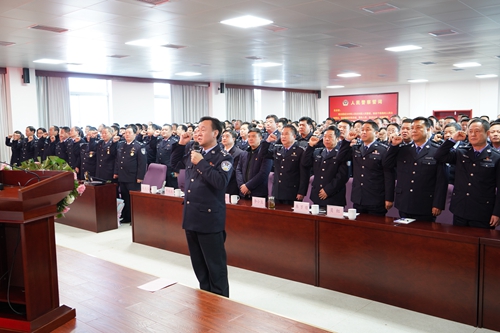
x: 28, y: 149
x: 330, y: 175
x: 163, y: 154
x: 88, y: 157
x: 50, y: 147
x: 130, y: 166
x: 106, y: 156
x: 62, y: 149
x: 421, y: 180
x: 253, y: 171
x: 291, y: 177
x: 204, y: 216
x: 15, y: 146
x: 73, y: 149
x: 372, y: 184
x: 232, y: 187
x: 243, y: 145
x: 304, y: 142
x: 40, y: 147
x: 477, y: 179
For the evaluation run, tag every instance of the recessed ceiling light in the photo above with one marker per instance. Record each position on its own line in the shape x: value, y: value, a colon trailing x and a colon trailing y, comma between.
x: 274, y: 81
x: 187, y: 73
x: 403, y: 48
x: 247, y: 21
x: 485, y: 76
x: 349, y: 75
x: 145, y: 42
x: 417, y: 80
x: 334, y: 87
x: 266, y: 64
x: 49, y: 61
x: 467, y: 64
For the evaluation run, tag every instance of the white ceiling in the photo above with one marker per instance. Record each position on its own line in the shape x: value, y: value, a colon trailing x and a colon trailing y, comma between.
x: 306, y: 48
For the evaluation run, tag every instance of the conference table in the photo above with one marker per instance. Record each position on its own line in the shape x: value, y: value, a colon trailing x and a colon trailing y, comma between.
x: 438, y: 269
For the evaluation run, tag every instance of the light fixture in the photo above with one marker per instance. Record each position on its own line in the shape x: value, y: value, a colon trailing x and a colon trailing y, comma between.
x: 485, y: 76
x: 49, y: 61
x: 266, y: 64
x: 334, y: 87
x: 247, y: 21
x: 187, y: 73
x: 467, y: 64
x: 274, y: 81
x: 145, y: 42
x: 403, y: 48
x: 348, y: 75
x: 417, y: 80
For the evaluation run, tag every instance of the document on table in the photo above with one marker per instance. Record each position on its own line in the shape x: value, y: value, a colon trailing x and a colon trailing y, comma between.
x: 157, y: 284
x: 404, y: 220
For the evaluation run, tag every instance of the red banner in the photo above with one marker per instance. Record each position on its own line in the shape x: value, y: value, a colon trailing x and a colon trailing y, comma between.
x: 363, y: 107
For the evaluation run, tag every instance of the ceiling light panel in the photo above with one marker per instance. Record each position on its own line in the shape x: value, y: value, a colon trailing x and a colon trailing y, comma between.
x: 247, y: 21
x: 403, y: 48
x: 348, y: 75
x: 467, y: 64
x: 266, y: 64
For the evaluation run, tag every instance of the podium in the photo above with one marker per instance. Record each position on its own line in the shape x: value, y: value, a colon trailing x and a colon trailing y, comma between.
x: 29, y: 292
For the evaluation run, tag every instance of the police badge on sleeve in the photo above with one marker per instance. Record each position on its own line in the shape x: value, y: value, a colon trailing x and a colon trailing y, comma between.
x: 143, y: 151
x: 226, y: 165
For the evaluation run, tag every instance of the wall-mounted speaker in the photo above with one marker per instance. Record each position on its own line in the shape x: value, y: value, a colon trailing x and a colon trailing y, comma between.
x: 26, y: 75
x: 221, y: 88
x: 319, y: 94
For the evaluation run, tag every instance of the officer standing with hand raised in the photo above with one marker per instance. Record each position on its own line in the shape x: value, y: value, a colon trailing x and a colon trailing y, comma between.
x: 204, y: 217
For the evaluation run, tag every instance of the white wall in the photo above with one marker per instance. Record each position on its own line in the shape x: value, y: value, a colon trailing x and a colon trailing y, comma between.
x: 272, y: 103
x: 132, y: 102
x: 22, y: 100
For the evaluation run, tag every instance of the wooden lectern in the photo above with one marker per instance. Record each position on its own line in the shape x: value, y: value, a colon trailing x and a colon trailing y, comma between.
x: 29, y: 291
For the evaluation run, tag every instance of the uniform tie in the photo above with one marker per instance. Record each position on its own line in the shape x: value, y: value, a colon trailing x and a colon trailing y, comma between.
x: 418, y: 149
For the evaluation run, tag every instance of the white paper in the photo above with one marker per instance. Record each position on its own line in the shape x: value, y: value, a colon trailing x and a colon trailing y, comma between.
x: 145, y: 188
x: 169, y: 191
x: 157, y: 284
x: 227, y: 199
x: 404, y: 221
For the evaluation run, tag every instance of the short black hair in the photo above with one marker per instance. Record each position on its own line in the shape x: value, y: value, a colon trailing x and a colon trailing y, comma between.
x: 255, y: 130
x: 216, y: 125
x: 427, y: 121
x: 485, y: 123
x: 307, y: 119
x: 395, y: 125
x: 456, y: 125
x: 292, y: 128
x: 275, y: 117
x: 233, y: 133
x: 373, y: 124
x: 334, y: 129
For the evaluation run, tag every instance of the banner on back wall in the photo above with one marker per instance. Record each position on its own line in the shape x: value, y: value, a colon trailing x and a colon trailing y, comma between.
x: 363, y: 107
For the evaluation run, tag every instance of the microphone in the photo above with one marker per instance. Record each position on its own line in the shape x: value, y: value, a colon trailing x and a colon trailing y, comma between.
x: 196, y: 147
x: 21, y: 169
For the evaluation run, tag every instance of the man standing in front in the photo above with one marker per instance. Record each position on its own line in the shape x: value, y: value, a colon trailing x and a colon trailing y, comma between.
x: 204, y: 216
x: 475, y: 202
x: 421, y: 179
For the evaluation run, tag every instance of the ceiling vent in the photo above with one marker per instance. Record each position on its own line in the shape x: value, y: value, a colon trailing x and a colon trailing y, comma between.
x: 380, y: 8
x: 154, y: 2
x: 348, y: 45
x: 275, y: 28
x: 47, y: 28
x: 201, y: 64
x: 457, y: 69
x: 442, y: 33
x: 117, y: 56
x: 173, y: 46
x: 428, y: 63
x: 7, y: 43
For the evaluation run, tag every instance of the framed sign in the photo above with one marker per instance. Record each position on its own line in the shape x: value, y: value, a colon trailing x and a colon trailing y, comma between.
x: 363, y: 107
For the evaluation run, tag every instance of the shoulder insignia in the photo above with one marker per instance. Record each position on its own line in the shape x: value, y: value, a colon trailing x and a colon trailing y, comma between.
x: 143, y: 151
x: 226, y: 165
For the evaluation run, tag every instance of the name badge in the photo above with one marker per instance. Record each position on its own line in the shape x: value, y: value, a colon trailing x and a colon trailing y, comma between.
x: 335, y: 211
x: 228, y: 201
x: 145, y: 188
x: 259, y: 202
x: 169, y: 191
x: 301, y: 207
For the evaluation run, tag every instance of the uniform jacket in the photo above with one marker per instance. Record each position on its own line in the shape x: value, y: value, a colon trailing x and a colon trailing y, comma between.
x: 421, y: 179
x: 15, y: 147
x: 88, y: 157
x: 73, y: 149
x: 62, y: 149
x: 232, y: 187
x: 28, y: 149
x: 240, y: 144
x: 50, y: 147
x: 164, y: 151
x: 330, y: 174
x: 291, y: 177
x: 477, y: 180
x: 372, y: 183
x: 106, y: 156
x: 258, y: 177
x: 131, y: 162
x: 204, y: 196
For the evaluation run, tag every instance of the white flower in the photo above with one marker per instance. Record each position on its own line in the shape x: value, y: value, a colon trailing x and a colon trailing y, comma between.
x: 69, y: 199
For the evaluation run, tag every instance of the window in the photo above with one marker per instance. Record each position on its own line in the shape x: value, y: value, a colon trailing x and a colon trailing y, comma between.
x: 163, y: 106
x: 90, y: 101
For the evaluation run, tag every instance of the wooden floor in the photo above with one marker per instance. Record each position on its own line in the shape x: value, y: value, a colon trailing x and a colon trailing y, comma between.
x: 107, y: 299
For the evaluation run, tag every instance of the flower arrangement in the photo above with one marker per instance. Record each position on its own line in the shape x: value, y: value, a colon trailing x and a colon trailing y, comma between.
x: 54, y: 163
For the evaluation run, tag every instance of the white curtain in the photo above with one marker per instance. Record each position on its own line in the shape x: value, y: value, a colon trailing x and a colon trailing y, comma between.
x: 240, y: 104
x: 5, y: 121
x: 53, y: 101
x: 189, y: 103
x: 298, y: 105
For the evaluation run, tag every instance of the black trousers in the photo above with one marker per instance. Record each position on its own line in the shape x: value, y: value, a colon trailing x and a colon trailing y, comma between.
x: 471, y: 223
x: 373, y: 210
x: 208, y: 257
x: 125, y: 189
